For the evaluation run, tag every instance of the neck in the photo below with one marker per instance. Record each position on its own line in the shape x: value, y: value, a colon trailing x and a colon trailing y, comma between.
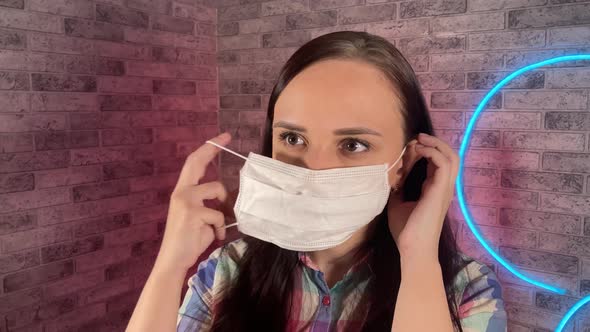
x: 335, y: 262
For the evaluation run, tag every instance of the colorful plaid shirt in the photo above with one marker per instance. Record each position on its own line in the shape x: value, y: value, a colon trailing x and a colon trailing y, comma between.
x: 319, y: 308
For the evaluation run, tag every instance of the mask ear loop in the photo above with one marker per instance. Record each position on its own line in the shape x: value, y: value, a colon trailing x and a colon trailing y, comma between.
x: 395, y: 163
x: 235, y: 154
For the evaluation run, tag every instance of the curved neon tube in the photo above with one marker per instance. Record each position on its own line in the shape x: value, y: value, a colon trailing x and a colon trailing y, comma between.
x: 459, y: 181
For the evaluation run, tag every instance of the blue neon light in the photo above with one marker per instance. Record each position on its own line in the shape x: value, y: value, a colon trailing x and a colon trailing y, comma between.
x: 571, y: 312
x: 459, y: 182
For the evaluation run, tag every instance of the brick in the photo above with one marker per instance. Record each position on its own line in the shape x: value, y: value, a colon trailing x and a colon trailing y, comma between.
x: 12, y: 40
x: 549, y: 141
x: 567, y: 120
x: 70, y: 249
x: 316, y: 32
x: 16, y: 222
x: 55, y: 140
x: 516, y: 294
x: 177, y: 103
x: 484, y: 5
x: 73, y: 319
x: 16, y: 182
x: 130, y: 235
x: 464, y: 100
x: 330, y: 4
x: 128, y: 268
x: 565, y: 244
x: 19, y: 261
x: 126, y: 169
x: 121, y: 15
x: 310, y: 20
x: 201, y: 43
x: 127, y: 136
x: 240, y: 102
x: 14, y: 102
x: 466, y: 62
x: 67, y: 176
x: 479, y: 139
x: 442, y: 81
x: 465, y: 23
x: 557, y: 182
x: 38, y: 275
x: 197, y: 118
x: 396, y: 29
x: 207, y: 89
x: 453, y: 120
x: 568, y: 162
x: 239, y: 42
x: 549, y: 16
x: 93, y: 30
x: 102, y: 190
x: 568, y: 36
x: 568, y: 283
x: 60, y: 44
x: 97, y: 260
x: 16, y: 142
x: 546, y: 100
x: 119, y: 50
x: 174, y: 55
x: 256, y: 87
x: 557, y: 303
x: 14, y: 81
x: 481, y: 177
x: 164, y: 70
x: 173, y: 24
x: 13, y: 60
x: 564, y: 203
x: 487, y: 80
x: 157, y: 6
x: 519, y: 59
x: 229, y: 28
x: 36, y: 237
x: 539, y: 260
x: 507, y: 40
x: 174, y: 87
x: 507, y: 120
x: 363, y: 14
x: 433, y: 44
x: 411, y: 9
x: 570, y: 78
x: 542, y: 221
x: 16, y: 300
x: 102, y: 224
x: 125, y: 84
x: 124, y: 103
x: 151, y: 37
x: 20, y: 162
x: 19, y: 4
x: 152, y: 119
x: 42, y: 102
x: 40, y: 311
x: 249, y: 72
x: 105, y: 291
x: 236, y: 13
x: 30, y: 21
x: 505, y: 237
x: 279, y: 7
x: 503, y: 198
x: 68, y: 83
x: 30, y: 122
x: 197, y: 13
x: 80, y: 8
x: 285, y: 39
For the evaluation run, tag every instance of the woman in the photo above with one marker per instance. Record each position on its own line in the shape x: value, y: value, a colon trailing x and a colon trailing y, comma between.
x: 343, y: 100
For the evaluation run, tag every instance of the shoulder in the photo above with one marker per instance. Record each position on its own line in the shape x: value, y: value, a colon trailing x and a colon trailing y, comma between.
x: 479, y: 297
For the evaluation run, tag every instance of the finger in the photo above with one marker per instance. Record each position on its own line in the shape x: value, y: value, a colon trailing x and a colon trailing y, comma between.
x: 196, y: 163
x: 213, y: 218
x: 209, y: 190
x: 436, y: 142
x: 433, y: 155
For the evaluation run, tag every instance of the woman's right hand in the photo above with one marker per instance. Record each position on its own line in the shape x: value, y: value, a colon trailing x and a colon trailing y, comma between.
x: 190, y: 226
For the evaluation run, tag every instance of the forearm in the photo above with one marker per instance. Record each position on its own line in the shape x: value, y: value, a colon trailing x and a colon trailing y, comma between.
x: 157, y: 307
x: 421, y: 303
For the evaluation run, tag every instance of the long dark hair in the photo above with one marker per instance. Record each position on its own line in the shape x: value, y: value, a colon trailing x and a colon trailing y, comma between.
x: 260, y: 297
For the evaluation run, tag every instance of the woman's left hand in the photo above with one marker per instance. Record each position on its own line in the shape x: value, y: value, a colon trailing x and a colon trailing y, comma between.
x: 416, y: 226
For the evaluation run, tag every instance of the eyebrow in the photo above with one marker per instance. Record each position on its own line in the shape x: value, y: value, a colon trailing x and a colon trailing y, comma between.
x: 339, y: 132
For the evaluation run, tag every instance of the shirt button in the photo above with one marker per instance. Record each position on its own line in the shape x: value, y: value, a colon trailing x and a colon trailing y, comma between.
x: 326, y: 300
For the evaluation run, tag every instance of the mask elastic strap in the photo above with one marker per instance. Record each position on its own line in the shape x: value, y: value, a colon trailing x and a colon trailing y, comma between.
x: 226, y: 149
x: 398, y: 158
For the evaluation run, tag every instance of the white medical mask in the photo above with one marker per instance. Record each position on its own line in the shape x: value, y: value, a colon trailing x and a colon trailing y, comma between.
x: 306, y: 210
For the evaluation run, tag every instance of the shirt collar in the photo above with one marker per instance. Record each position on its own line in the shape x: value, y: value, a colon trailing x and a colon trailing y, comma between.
x: 362, y: 262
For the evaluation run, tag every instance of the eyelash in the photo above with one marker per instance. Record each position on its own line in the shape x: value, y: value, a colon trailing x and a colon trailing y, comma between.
x: 284, y: 135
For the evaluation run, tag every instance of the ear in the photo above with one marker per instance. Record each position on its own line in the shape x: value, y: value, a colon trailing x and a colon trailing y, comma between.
x: 409, y: 159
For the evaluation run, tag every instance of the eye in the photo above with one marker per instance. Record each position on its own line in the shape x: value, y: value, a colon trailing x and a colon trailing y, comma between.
x: 290, y: 138
x: 352, y: 145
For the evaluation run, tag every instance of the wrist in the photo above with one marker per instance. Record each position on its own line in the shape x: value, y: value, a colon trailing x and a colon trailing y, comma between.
x: 419, y: 263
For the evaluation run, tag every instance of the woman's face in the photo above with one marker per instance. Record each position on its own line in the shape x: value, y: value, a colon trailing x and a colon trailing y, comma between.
x: 338, y: 113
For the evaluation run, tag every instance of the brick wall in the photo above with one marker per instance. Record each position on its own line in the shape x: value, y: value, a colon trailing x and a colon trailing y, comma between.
x: 527, y: 175
x: 100, y: 101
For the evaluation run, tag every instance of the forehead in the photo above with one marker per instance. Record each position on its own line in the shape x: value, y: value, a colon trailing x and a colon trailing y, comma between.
x: 340, y: 92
